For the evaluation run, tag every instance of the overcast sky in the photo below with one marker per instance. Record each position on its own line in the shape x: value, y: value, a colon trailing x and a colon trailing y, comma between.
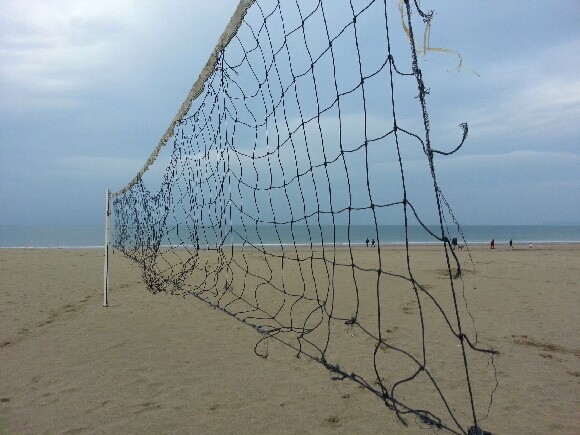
x: 88, y: 87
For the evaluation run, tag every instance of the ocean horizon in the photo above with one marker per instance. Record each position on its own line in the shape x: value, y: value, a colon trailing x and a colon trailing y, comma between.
x: 92, y: 236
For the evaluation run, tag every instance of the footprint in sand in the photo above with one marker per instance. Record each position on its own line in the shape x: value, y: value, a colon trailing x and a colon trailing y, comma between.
x: 333, y: 421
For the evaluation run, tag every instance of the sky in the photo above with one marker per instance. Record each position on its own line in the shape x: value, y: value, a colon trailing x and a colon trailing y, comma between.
x: 88, y: 87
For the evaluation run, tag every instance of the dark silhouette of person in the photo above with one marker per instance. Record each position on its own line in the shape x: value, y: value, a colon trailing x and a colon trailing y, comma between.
x: 511, y: 244
x: 454, y: 242
x: 492, y: 244
x: 367, y: 242
x: 373, y: 243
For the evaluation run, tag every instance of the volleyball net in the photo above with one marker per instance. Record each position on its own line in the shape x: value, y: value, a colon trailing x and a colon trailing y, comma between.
x: 289, y: 190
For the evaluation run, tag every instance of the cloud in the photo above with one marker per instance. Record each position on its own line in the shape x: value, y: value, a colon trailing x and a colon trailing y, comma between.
x: 526, y: 186
x: 52, y: 49
x: 88, y: 166
x: 508, y: 159
x: 125, y: 67
x: 532, y: 96
x: 551, y: 107
x: 71, y: 168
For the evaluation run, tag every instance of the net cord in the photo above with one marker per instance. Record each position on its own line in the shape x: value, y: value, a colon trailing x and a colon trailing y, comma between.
x: 196, y: 89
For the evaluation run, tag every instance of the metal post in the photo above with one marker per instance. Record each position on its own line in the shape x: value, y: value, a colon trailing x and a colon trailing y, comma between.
x: 106, y: 278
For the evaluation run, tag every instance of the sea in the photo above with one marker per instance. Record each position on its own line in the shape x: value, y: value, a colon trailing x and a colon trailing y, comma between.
x: 93, y: 236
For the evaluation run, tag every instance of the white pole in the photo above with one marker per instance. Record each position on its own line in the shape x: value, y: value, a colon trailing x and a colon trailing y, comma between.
x: 106, y: 278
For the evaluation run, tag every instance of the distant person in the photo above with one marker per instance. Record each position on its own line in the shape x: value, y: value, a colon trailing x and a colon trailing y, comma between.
x: 373, y: 243
x: 454, y: 242
x: 492, y: 244
x: 367, y: 242
x: 511, y: 244
x: 531, y: 246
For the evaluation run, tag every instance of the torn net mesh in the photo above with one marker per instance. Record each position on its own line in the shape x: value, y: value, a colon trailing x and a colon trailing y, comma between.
x: 310, y: 141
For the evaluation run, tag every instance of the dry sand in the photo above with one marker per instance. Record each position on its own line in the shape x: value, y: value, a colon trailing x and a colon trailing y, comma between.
x: 167, y: 364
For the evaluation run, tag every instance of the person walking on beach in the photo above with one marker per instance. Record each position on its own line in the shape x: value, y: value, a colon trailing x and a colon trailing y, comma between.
x: 454, y: 243
x: 373, y: 243
x: 492, y: 244
x: 511, y: 244
x: 367, y: 242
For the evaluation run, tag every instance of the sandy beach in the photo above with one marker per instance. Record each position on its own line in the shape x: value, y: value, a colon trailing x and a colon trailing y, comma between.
x: 159, y: 363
